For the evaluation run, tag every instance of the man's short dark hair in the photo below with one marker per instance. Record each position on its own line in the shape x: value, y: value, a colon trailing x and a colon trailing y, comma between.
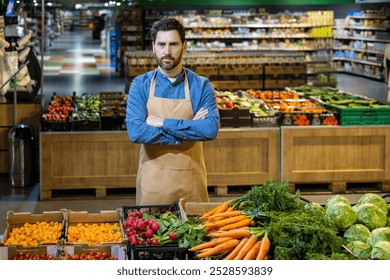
x: 166, y: 24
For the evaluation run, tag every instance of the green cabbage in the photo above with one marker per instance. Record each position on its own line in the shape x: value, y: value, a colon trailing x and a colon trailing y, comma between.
x: 370, y: 215
x: 381, y: 250
x: 341, y: 214
x: 360, y: 249
x: 374, y: 199
x: 379, y: 234
x: 337, y: 198
x: 314, y: 207
x: 356, y: 232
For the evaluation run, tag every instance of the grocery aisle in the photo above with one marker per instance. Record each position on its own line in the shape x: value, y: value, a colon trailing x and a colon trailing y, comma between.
x: 77, y: 63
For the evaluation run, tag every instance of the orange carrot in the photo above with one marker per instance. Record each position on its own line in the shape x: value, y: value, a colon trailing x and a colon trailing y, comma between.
x: 242, y: 223
x: 226, y: 214
x: 219, y: 249
x: 226, y: 221
x: 236, y: 249
x: 248, y: 244
x: 264, y: 248
x: 237, y: 233
x: 211, y: 211
x: 223, y: 208
x: 209, y: 244
x: 252, y: 253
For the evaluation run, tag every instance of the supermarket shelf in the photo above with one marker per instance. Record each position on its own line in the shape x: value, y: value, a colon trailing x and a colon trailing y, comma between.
x: 357, y: 61
x: 361, y: 27
x: 359, y: 74
x: 361, y: 39
x: 359, y: 50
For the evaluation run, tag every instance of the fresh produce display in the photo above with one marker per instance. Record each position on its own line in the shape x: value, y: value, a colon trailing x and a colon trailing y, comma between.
x: 87, y: 108
x: 33, y: 234
x: 30, y: 256
x: 148, y: 229
x: 59, y: 108
x: 282, y: 226
x: 339, y: 99
x: 95, y: 233
x: 90, y: 256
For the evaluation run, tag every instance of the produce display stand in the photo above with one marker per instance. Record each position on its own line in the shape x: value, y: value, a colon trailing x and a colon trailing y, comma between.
x: 107, y: 160
x: 336, y: 156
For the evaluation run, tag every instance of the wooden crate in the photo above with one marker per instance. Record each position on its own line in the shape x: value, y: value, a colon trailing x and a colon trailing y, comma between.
x: 251, y: 84
x: 82, y: 160
x: 207, y: 71
x: 336, y: 155
x: 239, y: 157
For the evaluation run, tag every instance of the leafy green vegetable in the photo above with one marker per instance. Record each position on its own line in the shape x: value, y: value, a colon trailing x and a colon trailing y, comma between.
x: 370, y: 215
x: 356, y: 232
x: 188, y: 233
x: 379, y: 234
x: 360, y: 249
x: 271, y: 196
x: 341, y: 214
x: 297, y: 233
x: 381, y: 250
x: 336, y: 198
x: 374, y: 199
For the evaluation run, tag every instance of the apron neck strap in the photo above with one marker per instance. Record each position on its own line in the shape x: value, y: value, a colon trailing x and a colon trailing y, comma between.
x: 186, y: 84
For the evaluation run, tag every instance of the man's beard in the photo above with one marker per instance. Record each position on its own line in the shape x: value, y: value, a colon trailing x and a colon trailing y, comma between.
x: 168, y: 66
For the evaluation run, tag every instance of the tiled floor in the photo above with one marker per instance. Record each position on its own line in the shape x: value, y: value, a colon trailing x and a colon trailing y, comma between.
x: 76, y: 63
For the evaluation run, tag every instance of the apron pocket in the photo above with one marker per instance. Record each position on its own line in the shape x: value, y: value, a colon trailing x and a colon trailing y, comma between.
x: 167, y: 180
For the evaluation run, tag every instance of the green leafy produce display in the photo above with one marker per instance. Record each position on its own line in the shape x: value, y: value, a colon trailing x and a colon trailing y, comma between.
x: 299, y: 229
x: 339, y: 99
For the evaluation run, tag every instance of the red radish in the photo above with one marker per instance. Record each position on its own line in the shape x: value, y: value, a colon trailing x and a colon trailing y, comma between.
x: 172, y: 236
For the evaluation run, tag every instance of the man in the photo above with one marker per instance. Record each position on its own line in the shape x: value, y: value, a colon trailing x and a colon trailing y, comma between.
x: 170, y: 110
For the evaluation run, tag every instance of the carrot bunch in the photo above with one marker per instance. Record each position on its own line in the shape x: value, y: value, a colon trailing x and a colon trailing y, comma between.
x: 232, y: 235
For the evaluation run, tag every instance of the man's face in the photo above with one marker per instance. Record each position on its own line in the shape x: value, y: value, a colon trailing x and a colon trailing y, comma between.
x: 168, y: 49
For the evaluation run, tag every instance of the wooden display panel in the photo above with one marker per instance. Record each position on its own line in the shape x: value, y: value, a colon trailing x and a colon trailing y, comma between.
x: 26, y: 113
x: 104, y: 160
x: 240, y: 157
x: 97, y: 160
x: 336, y: 155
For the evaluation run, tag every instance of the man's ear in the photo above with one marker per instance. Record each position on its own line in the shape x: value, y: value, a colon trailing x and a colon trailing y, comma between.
x: 185, y: 45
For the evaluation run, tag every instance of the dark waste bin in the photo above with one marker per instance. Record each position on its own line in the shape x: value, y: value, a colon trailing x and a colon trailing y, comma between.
x: 21, y: 156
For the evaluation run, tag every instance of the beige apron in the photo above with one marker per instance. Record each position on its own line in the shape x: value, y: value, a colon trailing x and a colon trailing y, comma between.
x: 169, y: 172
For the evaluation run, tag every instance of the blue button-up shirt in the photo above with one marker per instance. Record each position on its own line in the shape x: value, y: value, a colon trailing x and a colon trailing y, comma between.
x: 174, y: 131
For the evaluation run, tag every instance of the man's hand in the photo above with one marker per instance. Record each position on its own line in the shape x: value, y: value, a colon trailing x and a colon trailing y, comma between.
x: 154, y: 121
x: 201, y: 114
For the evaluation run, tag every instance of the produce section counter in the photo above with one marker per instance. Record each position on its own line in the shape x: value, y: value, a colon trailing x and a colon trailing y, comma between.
x: 104, y: 160
x: 337, y: 156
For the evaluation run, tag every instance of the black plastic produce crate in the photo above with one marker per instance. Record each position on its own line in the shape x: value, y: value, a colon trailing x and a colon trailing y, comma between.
x: 159, y: 252
x: 170, y: 251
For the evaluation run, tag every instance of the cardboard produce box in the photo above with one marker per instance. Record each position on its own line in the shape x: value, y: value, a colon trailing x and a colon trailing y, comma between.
x: 97, y: 252
x: 42, y: 252
x: 21, y: 223
x: 102, y: 228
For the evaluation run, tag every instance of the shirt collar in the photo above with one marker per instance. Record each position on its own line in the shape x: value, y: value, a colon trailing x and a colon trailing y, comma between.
x: 179, y: 78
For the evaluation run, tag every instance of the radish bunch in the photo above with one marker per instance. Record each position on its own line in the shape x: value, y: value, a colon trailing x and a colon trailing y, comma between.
x: 140, y: 231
